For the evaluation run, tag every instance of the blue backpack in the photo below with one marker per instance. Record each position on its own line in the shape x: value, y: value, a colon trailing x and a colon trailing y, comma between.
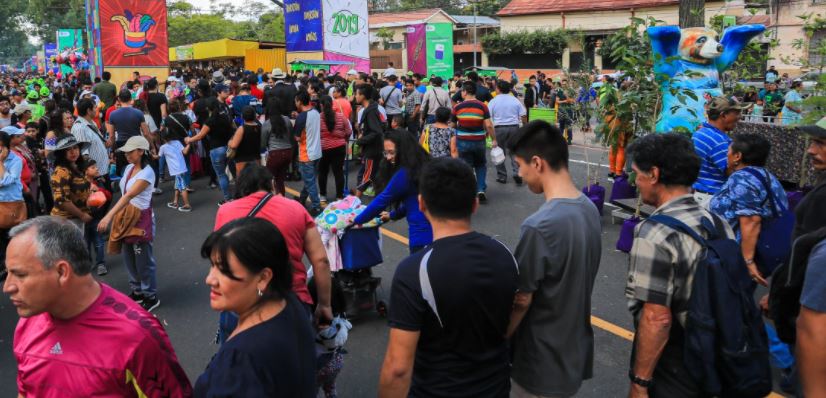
x: 726, y: 347
x: 775, y: 241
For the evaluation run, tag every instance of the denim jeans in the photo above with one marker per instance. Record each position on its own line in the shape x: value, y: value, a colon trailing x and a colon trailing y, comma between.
x: 140, y: 264
x: 309, y: 173
x: 218, y: 157
x: 95, y: 242
x: 473, y: 153
x: 161, y: 166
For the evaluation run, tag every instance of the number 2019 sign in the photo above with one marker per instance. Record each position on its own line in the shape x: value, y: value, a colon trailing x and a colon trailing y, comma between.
x: 345, y: 27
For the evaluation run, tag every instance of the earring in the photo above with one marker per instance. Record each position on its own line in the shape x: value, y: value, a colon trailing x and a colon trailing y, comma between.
x: 260, y: 293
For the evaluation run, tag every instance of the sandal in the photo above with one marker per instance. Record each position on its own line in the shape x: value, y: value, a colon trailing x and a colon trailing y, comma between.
x: 172, y: 205
x: 185, y: 209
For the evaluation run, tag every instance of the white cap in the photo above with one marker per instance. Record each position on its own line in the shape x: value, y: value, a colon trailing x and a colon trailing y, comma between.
x: 352, y: 72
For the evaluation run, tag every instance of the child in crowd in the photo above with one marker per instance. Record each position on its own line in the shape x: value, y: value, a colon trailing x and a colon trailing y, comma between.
x: 94, y: 240
x: 757, y: 112
x: 173, y: 150
x: 397, y: 122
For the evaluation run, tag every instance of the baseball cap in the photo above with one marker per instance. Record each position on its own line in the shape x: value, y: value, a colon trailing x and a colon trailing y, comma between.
x: 221, y: 88
x: 352, y: 72
x: 723, y: 104
x: 136, y: 142
x: 817, y: 130
x: 21, y: 109
x: 12, y: 130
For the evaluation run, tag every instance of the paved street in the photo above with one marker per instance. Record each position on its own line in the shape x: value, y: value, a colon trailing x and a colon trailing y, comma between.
x: 191, y: 324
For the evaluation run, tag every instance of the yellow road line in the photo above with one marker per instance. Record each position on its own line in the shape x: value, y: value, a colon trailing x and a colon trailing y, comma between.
x: 596, y: 321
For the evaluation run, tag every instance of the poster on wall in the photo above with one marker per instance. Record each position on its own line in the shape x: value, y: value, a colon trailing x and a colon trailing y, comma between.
x: 184, y: 53
x: 440, y: 50
x: 69, y: 39
x: 416, y: 49
x: 93, y: 37
x: 303, y: 22
x: 133, y: 33
x: 50, y: 51
x: 345, y: 27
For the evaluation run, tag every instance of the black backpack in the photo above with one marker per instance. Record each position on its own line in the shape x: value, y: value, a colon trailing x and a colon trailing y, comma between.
x: 726, y: 348
x: 787, y: 285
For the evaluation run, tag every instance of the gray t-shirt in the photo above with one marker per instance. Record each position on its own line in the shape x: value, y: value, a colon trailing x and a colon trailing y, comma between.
x: 558, y: 255
x: 392, y: 98
x: 270, y: 141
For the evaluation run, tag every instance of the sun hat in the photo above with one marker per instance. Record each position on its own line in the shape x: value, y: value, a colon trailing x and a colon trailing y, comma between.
x: 135, y: 142
x: 277, y: 73
x: 217, y: 77
x: 66, y: 141
x: 22, y: 108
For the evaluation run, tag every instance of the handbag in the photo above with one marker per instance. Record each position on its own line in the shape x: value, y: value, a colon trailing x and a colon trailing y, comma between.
x: 12, y: 213
x: 774, y: 244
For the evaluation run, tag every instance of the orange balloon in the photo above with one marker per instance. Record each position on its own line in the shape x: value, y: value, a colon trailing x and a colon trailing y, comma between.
x: 96, y: 199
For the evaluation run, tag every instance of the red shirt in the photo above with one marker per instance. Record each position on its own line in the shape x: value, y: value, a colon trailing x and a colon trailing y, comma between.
x: 291, y: 219
x: 114, y: 348
x: 256, y: 92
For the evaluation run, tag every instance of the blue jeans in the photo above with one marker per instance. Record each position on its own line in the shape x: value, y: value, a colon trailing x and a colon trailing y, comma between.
x: 161, y: 165
x: 218, y: 157
x: 188, y: 174
x: 309, y: 174
x: 140, y: 264
x: 94, y: 242
x: 473, y: 153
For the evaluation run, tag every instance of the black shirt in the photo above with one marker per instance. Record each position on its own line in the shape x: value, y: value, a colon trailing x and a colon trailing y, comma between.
x: 275, y: 358
x: 153, y: 103
x: 220, y: 127
x: 482, y: 94
x: 462, y: 352
x: 810, y: 214
x: 250, y: 147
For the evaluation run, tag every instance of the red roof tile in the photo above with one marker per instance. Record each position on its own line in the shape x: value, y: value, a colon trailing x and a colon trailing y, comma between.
x: 401, y: 17
x: 525, y: 7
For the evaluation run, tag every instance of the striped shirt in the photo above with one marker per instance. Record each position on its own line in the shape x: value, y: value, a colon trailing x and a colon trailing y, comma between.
x: 711, y: 145
x: 663, y: 261
x: 470, y: 119
x: 85, y: 131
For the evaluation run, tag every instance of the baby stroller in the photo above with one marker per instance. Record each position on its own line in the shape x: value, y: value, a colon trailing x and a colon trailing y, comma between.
x: 354, y: 284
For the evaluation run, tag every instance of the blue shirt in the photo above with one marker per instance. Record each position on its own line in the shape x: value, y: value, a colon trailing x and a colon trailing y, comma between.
x: 11, y: 188
x: 711, y: 146
x: 813, y: 295
x: 401, y: 188
x: 744, y: 195
x: 242, y: 101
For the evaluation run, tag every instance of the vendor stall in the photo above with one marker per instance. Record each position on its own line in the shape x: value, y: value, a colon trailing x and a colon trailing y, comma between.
x: 317, y: 65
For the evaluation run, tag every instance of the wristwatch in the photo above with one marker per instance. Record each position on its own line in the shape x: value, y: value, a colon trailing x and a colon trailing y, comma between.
x: 644, y: 383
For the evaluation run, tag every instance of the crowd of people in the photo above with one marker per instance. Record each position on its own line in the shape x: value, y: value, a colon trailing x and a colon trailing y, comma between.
x: 518, y: 322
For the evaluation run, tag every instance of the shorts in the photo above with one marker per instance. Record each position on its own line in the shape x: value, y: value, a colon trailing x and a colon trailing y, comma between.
x: 180, y: 183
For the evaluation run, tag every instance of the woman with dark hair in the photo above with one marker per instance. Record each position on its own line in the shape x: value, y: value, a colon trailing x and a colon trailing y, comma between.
x: 792, y: 101
x: 398, y: 181
x: 60, y: 123
x: 441, y: 138
x: 11, y: 188
x: 133, y: 211
x: 335, y: 128
x: 68, y: 182
x: 251, y: 275
x: 275, y: 138
x: 743, y: 200
x: 247, y: 140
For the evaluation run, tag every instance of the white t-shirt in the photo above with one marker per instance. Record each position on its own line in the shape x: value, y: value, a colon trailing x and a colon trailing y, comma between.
x: 506, y: 110
x: 144, y: 199
x: 173, y: 152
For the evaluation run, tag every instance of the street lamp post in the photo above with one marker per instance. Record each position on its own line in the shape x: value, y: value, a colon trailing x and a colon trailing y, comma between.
x: 474, y: 34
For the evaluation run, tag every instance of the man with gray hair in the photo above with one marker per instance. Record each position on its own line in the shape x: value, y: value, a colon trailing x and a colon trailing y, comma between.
x: 76, y: 336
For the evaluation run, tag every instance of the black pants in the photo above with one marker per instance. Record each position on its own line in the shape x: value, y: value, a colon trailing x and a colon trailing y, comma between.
x: 45, y: 190
x: 332, y: 159
x: 413, y: 126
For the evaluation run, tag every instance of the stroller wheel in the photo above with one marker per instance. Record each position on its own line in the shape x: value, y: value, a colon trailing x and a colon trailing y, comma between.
x: 381, y: 308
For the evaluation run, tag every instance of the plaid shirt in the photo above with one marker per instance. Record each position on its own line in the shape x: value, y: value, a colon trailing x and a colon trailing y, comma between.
x: 411, y: 100
x: 663, y: 260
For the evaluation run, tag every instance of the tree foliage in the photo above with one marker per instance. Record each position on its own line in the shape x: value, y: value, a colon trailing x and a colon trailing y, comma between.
x: 692, y: 13
x: 261, y: 23
x: 47, y: 16
x: 526, y: 42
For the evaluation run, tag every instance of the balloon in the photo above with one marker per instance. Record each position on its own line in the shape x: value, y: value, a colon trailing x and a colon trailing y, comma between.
x: 96, y: 199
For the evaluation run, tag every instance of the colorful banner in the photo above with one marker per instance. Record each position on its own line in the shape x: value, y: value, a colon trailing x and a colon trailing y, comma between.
x: 359, y: 64
x: 93, y: 37
x: 416, y: 49
x: 345, y: 27
x: 184, y: 53
x: 50, y: 51
x: 133, y: 33
x: 440, y: 50
x: 69, y: 39
x: 303, y: 25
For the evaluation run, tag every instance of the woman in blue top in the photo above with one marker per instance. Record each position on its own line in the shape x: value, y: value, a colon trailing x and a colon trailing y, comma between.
x: 743, y: 199
x: 792, y: 112
x: 11, y: 188
x: 398, y: 182
x: 271, y: 353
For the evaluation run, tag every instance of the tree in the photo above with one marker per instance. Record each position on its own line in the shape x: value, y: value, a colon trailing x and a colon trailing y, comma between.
x: 186, y: 26
x: 386, y: 35
x: 484, y: 7
x: 692, y: 13
x: 47, y: 16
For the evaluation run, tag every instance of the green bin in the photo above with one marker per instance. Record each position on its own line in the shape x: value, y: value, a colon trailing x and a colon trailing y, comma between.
x: 546, y: 114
